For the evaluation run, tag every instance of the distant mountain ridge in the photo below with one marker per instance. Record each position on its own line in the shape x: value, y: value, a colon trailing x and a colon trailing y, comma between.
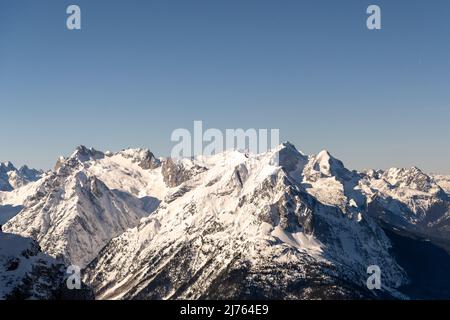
x: 12, y: 178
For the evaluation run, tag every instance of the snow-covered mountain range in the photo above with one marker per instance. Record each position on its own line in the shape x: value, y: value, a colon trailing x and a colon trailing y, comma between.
x: 278, y: 225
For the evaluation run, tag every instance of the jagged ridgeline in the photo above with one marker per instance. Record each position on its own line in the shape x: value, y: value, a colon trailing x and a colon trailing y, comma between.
x: 12, y: 178
x: 277, y: 225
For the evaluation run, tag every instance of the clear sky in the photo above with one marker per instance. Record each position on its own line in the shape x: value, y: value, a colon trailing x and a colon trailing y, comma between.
x: 140, y: 69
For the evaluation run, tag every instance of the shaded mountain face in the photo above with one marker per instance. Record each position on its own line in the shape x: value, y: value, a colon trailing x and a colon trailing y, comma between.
x: 279, y: 225
x: 20, y: 262
x: 12, y: 178
x: 26, y: 272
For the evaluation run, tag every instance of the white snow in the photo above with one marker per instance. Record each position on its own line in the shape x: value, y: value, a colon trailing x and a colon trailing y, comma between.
x: 97, y: 199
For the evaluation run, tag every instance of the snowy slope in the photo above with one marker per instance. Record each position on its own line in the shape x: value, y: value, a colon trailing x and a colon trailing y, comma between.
x: 134, y: 171
x: 243, y: 227
x: 25, y: 272
x: 11, y: 202
x: 12, y: 178
x: 409, y: 200
x: 443, y: 182
x: 281, y: 225
x: 18, y: 196
x: 72, y: 213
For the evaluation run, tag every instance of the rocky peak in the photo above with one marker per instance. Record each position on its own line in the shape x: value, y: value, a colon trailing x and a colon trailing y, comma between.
x: 290, y: 159
x: 11, y: 178
x: 412, y: 178
x: 81, y: 155
x: 175, y: 172
x: 142, y: 157
x: 7, y: 166
x: 84, y: 154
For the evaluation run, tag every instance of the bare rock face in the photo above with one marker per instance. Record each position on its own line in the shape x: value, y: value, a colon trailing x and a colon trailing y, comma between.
x: 142, y: 157
x: 175, y: 173
x: 148, y: 161
x: 81, y: 155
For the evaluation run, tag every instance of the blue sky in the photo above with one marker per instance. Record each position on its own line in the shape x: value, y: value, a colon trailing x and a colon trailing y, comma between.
x: 140, y: 69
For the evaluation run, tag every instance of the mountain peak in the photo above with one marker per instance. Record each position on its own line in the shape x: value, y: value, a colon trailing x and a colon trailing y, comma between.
x: 7, y: 166
x: 292, y: 160
x: 288, y: 144
x: 143, y: 157
x: 324, y: 162
x: 416, y: 169
x: 325, y: 154
x: 11, y: 178
x: 84, y: 154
